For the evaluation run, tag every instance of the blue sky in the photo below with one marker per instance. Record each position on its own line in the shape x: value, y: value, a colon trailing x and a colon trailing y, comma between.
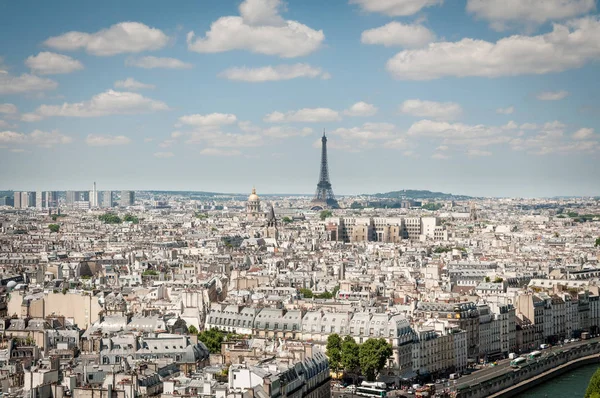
x: 481, y: 97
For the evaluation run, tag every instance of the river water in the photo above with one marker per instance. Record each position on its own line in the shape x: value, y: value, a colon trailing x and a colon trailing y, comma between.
x: 571, y: 384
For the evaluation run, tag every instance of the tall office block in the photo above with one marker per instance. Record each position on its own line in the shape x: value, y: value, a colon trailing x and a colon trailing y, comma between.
x: 51, y: 199
x: 40, y: 199
x: 6, y: 201
x: 77, y: 196
x: 17, y: 200
x: 94, y: 197
x: 107, y: 199
x: 27, y: 199
x: 127, y: 198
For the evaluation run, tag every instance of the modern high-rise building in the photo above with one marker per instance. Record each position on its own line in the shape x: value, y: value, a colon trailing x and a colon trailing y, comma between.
x: 40, y: 199
x: 94, y: 202
x: 51, y: 199
x: 27, y: 199
x: 17, y: 200
x: 106, y: 199
x: 77, y: 196
x: 6, y: 201
x: 127, y: 198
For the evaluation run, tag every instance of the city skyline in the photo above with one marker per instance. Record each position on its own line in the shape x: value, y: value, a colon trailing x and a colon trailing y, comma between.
x: 199, y: 98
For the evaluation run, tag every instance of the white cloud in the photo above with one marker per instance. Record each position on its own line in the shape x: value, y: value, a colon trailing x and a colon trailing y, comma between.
x: 286, y: 132
x: 395, y: 8
x: 107, y: 103
x: 220, y: 152
x: 163, y: 155
x: 583, y: 134
x: 8, y: 109
x: 151, y: 62
x: 478, y: 153
x: 132, y: 84
x: 167, y: 143
x: 36, y: 137
x: 367, y: 132
x: 568, y: 46
x: 24, y: 84
x: 461, y: 134
x: 262, y: 12
x: 124, y: 37
x: 552, y: 95
x: 274, y: 73
x: 31, y: 117
x: 259, y: 29
x: 440, y: 156
x: 305, y: 115
x: 225, y: 140
x: 3, y: 124
x: 540, y: 140
x: 47, y: 63
x: 209, y: 120
x: 431, y: 109
x: 501, y: 13
x: 106, y: 140
x: 398, y: 34
x: 506, y: 111
x: 361, y: 109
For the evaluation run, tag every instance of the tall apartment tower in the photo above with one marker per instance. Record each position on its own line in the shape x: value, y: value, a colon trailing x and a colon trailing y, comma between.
x: 17, y: 200
x: 27, y: 199
x: 127, y: 198
x: 94, y: 202
x: 107, y: 199
x: 40, y: 199
x: 51, y: 199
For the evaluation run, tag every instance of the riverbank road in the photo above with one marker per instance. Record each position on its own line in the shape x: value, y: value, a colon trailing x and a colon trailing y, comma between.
x: 503, y: 366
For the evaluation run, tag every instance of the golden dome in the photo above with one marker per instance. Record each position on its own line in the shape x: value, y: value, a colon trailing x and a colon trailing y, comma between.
x: 253, y: 197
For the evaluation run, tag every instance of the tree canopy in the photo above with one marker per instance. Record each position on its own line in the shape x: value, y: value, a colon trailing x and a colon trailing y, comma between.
x: 286, y: 220
x: 349, y: 358
x: 110, y: 218
x: 54, y: 228
x: 131, y: 218
x: 192, y: 330
x: 373, y: 355
x: 325, y: 213
x: 593, y: 389
x: 598, y: 242
x: 212, y: 339
x: 334, y: 351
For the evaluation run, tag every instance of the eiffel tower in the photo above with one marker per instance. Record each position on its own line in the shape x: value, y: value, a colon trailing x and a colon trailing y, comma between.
x: 324, y: 197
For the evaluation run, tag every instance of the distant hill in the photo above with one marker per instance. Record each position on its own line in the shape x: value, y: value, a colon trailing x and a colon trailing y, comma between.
x: 417, y: 194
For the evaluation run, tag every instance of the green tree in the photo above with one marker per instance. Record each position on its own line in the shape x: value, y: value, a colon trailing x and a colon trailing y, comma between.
x: 373, y: 356
x: 192, y: 330
x: 356, y: 205
x: 131, y: 218
x: 487, y: 279
x: 110, y: 218
x: 324, y: 295
x: 593, y: 389
x: 597, y: 242
x: 498, y: 279
x: 334, y: 351
x: 286, y: 220
x: 349, y: 358
x: 54, y: 228
x: 431, y: 206
x: 212, y: 339
x: 325, y: 213
x: 307, y: 293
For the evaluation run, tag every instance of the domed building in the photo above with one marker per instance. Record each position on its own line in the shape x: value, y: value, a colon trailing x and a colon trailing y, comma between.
x: 253, y: 211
